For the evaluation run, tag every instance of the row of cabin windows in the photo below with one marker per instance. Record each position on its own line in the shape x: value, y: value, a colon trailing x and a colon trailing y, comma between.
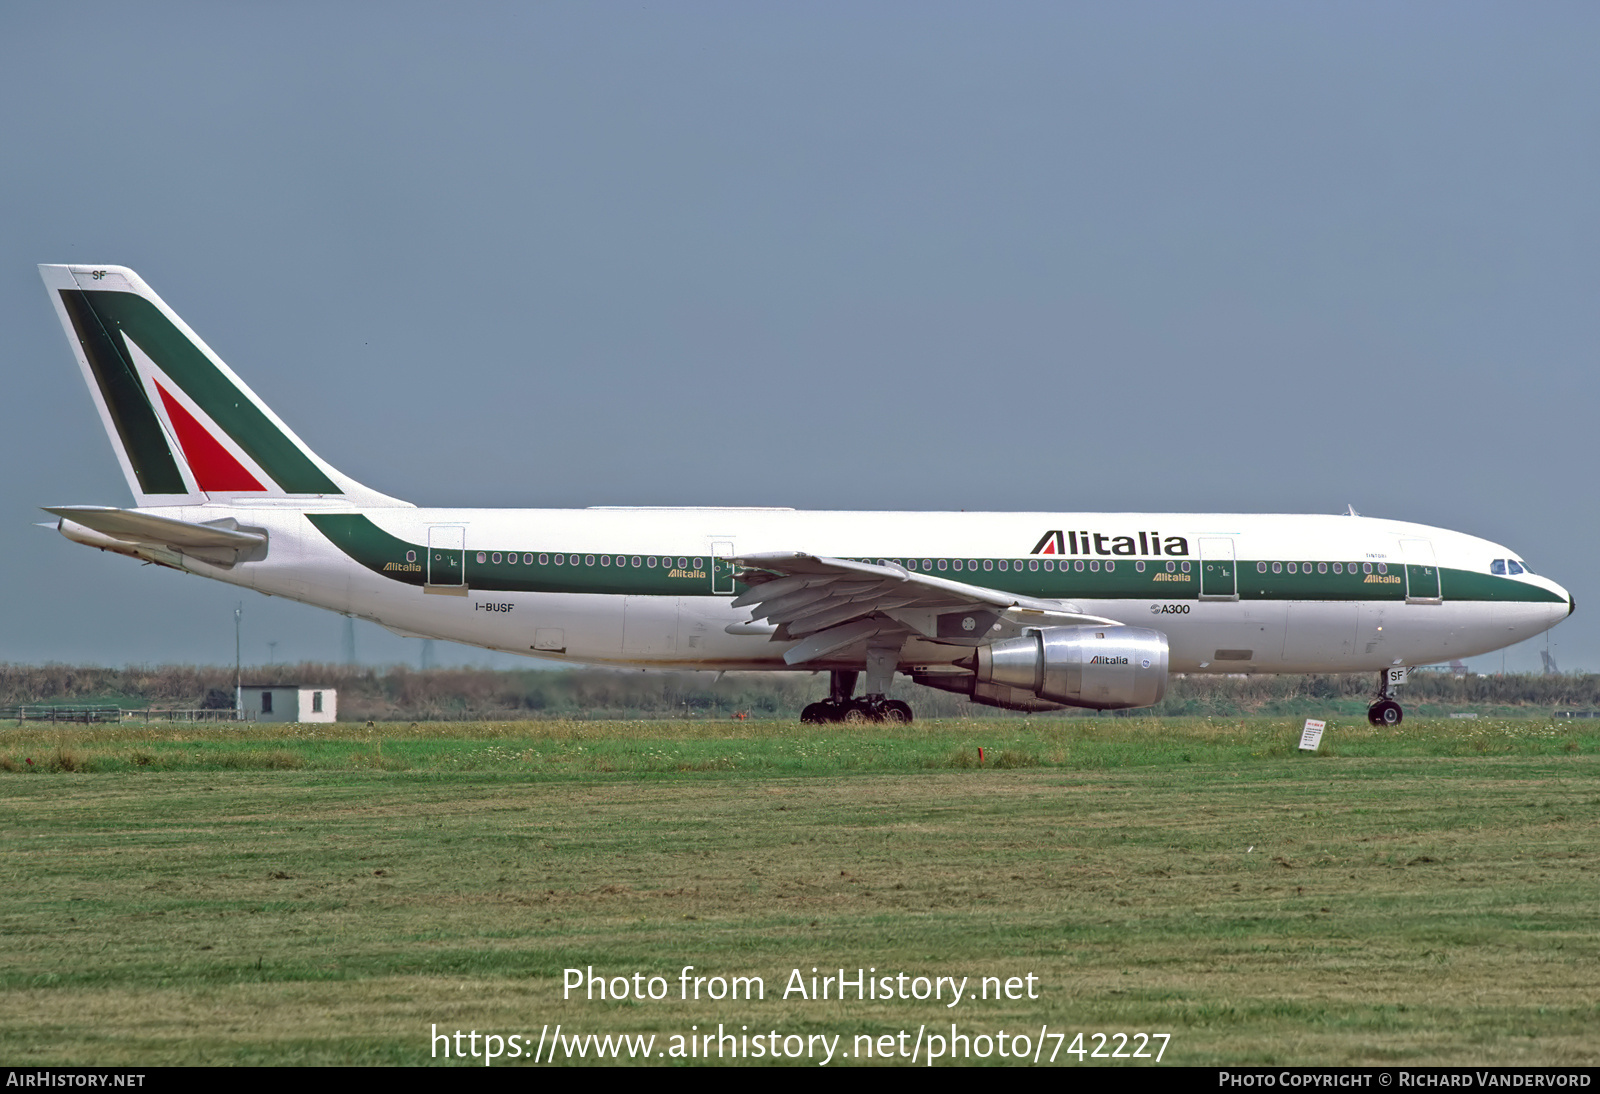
x: 1322, y: 567
x: 1048, y: 565
x: 956, y: 564
x: 649, y: 562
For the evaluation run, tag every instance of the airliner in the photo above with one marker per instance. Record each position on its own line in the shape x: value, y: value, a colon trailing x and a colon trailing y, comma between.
x: 1026, y: 611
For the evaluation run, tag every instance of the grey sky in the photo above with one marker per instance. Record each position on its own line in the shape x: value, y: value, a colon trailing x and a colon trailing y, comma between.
x: 1225, y: 257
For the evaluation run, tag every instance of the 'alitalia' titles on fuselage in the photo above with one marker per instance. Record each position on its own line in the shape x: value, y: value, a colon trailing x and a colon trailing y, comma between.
x: 1055, y: 542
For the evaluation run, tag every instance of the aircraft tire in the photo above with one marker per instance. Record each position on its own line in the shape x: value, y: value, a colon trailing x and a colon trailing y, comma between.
x: 897, y: 713
x: 1386, y: 713
x: 857, y: 713
x: 816, y: 714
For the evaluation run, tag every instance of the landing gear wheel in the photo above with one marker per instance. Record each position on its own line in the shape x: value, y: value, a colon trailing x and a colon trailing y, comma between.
x: 896, y: 713
x: 816, y: 714
x: 858, y: 713
x: 1386, y: 713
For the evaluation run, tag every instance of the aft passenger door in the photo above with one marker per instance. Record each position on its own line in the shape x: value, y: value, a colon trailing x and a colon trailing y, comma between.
x: 447, y: 561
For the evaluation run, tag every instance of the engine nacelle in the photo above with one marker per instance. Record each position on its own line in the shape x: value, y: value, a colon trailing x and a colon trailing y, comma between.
x: 1105, y: 668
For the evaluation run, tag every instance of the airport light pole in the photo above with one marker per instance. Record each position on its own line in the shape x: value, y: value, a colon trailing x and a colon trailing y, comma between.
x: 238, y: 679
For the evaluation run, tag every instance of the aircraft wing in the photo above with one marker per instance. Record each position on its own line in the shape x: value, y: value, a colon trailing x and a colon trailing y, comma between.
x: 830, y: 603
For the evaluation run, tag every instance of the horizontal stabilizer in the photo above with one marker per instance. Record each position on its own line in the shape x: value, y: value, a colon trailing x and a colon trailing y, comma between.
x: 136, y: 527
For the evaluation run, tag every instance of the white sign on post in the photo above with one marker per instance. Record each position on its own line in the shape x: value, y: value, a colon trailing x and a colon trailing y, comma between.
x: 1311, y: 736
x: 1397, y: 677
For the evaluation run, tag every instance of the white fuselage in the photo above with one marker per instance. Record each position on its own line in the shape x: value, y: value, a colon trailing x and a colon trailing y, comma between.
x: 1359, y: 597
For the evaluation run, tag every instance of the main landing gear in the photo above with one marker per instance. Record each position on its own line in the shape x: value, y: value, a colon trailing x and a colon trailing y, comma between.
x: 1385, y: 711
x: 840, y: 707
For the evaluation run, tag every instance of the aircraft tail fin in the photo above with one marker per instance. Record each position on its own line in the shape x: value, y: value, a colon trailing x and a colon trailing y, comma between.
x: 186, y: 430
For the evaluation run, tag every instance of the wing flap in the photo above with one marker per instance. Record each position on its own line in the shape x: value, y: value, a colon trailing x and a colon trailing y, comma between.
x: 808, y: 596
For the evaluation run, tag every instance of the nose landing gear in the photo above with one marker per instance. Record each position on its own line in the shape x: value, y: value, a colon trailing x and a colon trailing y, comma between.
x: 1385, y: 711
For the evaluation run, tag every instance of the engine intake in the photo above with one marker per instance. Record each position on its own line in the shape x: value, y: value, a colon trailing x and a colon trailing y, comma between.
x: 1104, y: 668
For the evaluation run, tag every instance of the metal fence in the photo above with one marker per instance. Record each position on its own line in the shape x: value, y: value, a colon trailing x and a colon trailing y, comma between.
x: 57, y: 715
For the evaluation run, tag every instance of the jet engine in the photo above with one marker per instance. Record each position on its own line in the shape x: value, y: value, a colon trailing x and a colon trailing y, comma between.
x: 1105, y: 668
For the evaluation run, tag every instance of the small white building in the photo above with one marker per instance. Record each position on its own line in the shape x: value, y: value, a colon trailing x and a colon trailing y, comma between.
x: 289, y: 703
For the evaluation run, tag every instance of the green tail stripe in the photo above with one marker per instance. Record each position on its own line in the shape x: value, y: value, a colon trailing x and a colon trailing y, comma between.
x: 191, y: 370
x: 137, y: 425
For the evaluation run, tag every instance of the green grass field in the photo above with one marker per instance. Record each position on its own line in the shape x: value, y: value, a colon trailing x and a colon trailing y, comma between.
x: 323, y: 895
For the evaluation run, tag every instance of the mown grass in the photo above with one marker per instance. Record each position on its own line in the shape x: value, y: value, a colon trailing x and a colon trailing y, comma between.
x: 1423, y: 894
x: 559, y: 749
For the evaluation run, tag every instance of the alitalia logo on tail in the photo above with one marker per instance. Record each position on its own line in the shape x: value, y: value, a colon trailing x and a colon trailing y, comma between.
x: 215, y: 461
x: 185, y: 428
x: 1055, y: 542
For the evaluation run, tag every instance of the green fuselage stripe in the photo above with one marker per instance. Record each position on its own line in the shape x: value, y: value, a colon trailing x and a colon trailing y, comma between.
x: 1122, y: 579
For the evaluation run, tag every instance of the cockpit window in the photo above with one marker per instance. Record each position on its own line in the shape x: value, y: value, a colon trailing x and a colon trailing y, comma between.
x: 1514, y: 566
x: 1498, y: 566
